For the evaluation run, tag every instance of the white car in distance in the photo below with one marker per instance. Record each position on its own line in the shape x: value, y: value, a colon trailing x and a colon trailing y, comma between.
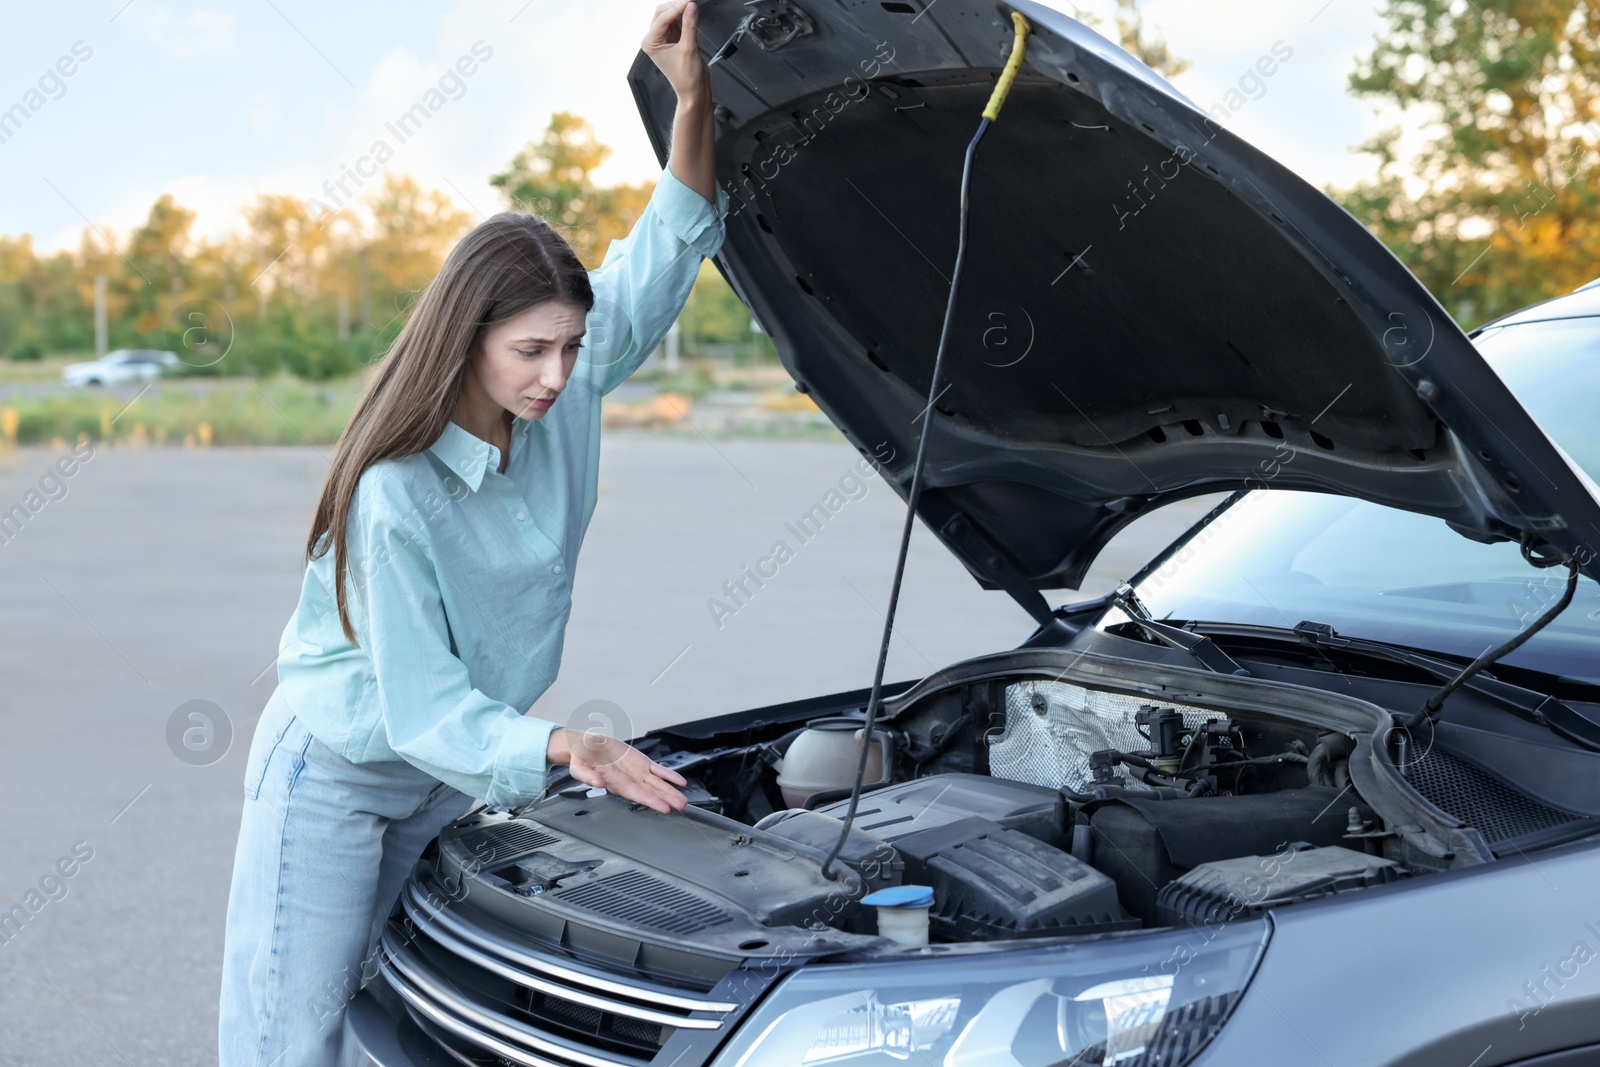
x: 122, y: 365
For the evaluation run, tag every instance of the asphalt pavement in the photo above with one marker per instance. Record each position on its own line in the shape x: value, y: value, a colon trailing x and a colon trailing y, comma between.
x: 154, y: 578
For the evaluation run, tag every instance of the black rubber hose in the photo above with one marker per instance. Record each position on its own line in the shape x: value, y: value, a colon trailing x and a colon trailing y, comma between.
x: 1325, y: 756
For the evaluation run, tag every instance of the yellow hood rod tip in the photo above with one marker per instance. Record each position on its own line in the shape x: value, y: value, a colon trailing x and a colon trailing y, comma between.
x: 1019, y: 52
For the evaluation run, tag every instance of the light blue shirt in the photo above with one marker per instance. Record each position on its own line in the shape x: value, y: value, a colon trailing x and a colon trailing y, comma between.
x: 460, y: 577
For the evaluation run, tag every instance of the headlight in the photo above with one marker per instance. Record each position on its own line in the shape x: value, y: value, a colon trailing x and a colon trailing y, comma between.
x: 1144, y: 1001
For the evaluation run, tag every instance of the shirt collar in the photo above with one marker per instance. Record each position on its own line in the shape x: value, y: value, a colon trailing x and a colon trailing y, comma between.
x: 467, y: 454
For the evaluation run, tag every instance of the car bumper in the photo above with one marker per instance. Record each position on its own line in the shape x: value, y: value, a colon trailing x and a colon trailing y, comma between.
x: 385, y: 1036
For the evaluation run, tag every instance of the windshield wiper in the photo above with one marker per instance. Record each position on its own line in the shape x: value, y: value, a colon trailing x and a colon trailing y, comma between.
x: 1545, y: 710
x: 1199, y: 646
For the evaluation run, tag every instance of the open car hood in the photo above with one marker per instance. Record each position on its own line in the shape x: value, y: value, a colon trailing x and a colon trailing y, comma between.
x: 1150, y: 308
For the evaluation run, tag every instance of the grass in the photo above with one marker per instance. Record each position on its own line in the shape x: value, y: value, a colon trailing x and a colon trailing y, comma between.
x: 285, y: 410
x: 47, y: 369
x: 279, y: 411
x: 777, y: 431
x: 697, y: 376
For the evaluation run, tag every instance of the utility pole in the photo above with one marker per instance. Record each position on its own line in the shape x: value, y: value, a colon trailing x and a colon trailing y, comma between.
x: 672, y: 348
x: 99, y: 315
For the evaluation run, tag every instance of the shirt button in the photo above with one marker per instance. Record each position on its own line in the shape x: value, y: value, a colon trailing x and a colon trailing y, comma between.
x: 557, y: 569
x: 521, y: 515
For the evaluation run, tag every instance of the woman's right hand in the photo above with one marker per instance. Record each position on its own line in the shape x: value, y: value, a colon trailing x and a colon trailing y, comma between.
x: 599, y: 760
x: 672, y: 43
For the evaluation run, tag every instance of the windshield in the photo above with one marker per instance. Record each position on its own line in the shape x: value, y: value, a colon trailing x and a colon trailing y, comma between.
x: 1278, y: 558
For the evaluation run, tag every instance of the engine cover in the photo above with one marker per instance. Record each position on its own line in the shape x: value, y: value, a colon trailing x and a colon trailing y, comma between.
x: 993, y: 883
x: 895, y: 811
x: 992, y: 850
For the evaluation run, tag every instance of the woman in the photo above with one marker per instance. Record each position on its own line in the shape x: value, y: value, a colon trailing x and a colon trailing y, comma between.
x: 454, y: 508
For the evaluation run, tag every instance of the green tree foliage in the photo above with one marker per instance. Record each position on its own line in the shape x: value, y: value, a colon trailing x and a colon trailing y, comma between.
x: 154, y: 256
x: 1490, y: 195
x: 16, y: 321
x: 716, y: 322
x: 318, y: 297
x: 551, y: 177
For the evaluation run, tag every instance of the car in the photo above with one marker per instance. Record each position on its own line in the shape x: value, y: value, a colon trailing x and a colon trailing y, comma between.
x: 121, y: 365
x: 1319, y: 784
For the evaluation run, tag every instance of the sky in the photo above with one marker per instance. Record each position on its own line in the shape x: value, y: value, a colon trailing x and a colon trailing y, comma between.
x: 216, y: 102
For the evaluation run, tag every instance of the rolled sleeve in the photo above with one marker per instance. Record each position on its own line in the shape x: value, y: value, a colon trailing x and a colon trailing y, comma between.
x: 432, y: 714
x: 690, y: 216
x: 644, y: 280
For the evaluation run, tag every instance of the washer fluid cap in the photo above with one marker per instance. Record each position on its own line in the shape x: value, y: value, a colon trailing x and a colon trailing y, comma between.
x: 901, y: 896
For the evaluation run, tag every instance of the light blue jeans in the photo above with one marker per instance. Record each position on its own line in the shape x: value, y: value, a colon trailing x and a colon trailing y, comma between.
x: 324, y: 848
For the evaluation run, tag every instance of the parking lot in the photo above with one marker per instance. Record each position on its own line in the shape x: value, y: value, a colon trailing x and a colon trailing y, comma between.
x: 160, y: 576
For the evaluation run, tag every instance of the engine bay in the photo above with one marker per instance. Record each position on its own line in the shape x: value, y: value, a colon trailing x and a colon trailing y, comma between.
x: 1030, y: 806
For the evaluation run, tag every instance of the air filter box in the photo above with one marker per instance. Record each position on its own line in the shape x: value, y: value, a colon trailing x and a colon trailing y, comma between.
x: 993, y: 883
x: 1144, y: 843
x: 1250, y: 885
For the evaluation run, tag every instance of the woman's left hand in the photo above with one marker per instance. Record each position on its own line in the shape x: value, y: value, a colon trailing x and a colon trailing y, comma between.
x: 610, y: 763
x: 673, y: 44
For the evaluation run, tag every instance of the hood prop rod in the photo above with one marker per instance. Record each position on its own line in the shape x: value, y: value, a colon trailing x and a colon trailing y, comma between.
x: 991, y: 112
x: 1430, y: 709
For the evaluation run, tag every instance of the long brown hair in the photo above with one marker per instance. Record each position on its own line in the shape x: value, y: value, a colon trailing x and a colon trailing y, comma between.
x: 501, y: 268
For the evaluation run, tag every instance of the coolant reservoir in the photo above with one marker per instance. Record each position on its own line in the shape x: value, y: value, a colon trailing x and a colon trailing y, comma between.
x: 824, y: 757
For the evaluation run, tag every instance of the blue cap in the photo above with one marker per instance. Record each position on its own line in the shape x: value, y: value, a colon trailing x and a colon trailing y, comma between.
x: 901, y: 896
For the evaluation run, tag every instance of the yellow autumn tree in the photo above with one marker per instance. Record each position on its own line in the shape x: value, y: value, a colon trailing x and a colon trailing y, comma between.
x: 1494, y: 200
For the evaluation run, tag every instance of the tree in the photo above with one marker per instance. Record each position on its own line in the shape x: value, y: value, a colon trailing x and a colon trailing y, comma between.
x: 315, y: 292
x: 286, y: 246
x: 714, y: 315
x: 156, y: 251
x: 16, y: 267
x: 551, y: 178
x: 283, y: 294
x: 413, y: 231
x: 1153, y: 53
x: 1491, y: 197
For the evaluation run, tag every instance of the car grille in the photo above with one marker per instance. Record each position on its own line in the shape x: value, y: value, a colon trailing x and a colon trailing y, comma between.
x: 486, y: 1000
